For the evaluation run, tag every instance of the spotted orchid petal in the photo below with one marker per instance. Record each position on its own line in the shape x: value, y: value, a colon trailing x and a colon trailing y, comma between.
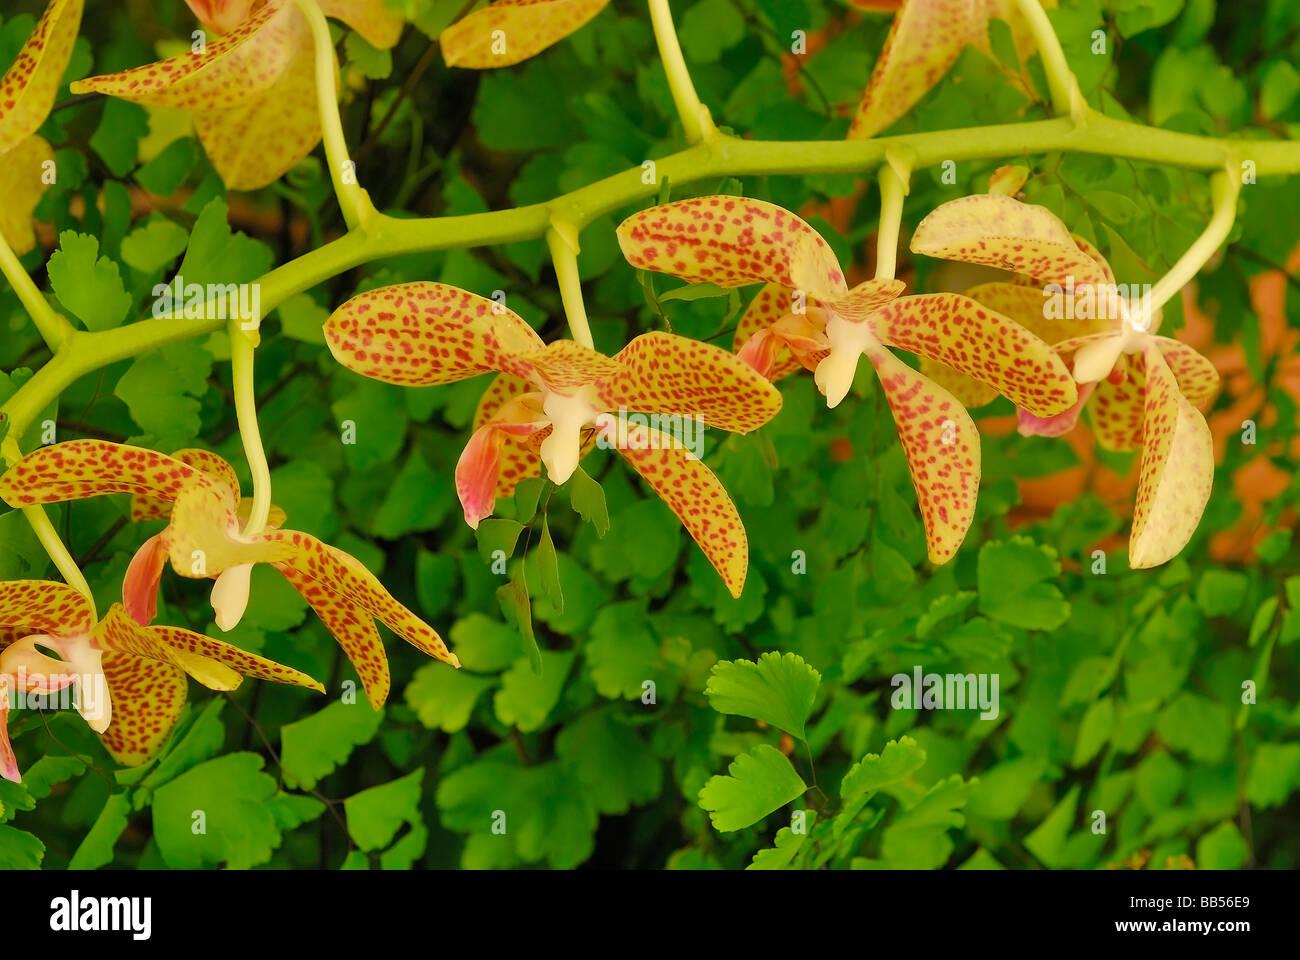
x: 478, y: 472
x: 355, y: 632
x: 692, y: 491
x: 29, y: 87
x: 942, y: 448
x: 204, y: 538
x: 22, y: 172
x: 346, y: 578
x: 119, y: 633
x: 43, y: 606
x: 731, y: 241
x: 77, y: 469
x: 1027, y: 306
x: 509, y: 31
x: 1000, y: 231
x: 561, y: 367
x: 187, y: 642
x: 1118, y: 408
x: 1177, y: 469
x: 149, y: 696
x: 1197, y: 377
x: 992, y: 348
x: 1057, y: 425
x: 157, y: 508
x: 422, y: 334
x: 925, y: 40
x: 663, y: 373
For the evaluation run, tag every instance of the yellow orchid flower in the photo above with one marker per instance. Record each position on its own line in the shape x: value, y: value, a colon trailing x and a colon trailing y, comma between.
x: 508, y: 31
x: 252, y: 89
x: 27, y: 93
x: 924, y: 41
x: 805, y: 315
x: 129, y: 679
x: 204, y: 538
x: 420, y: 334
x: 1143, y: 390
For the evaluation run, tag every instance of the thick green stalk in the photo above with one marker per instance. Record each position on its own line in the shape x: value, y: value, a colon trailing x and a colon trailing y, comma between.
x: 54, y: 328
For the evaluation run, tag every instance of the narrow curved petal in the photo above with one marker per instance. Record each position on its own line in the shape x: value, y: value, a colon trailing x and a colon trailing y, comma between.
x: 21, y: 185
x: 518, y: 458
x: 232, y: 69
x: 30, y: 85
x: 155, y: 508
x: 1177, y: 469
x: 255, y: 141
x: 925, y: 40
x: 355, y: 632
x: 148, y: 698
x: 981, y: 343
x: 942, y: 448
x: 731, y: 241
x: 1000, y: 231
x: 509, y: 31
x: 143, y: 574
x: 371, y: 18
x: 78, y: 469
x: 865, y: 299
x: 478, y: 471
x: 43, y: 606
x: 663, y: 373
x: 694, y: 493
x: 1057, y: 425
x: 1197, y: 377
x: 242, y: 662
x: 345, y: 576
x: 118, y: 633
x: 421, y: 334
x: 1028, y: 304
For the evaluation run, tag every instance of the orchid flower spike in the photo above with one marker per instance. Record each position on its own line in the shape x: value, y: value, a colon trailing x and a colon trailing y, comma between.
x: 806, y: 315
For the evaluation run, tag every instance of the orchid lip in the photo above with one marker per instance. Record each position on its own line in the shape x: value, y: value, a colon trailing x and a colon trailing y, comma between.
x: 562, y: 449
x: 848, y: 341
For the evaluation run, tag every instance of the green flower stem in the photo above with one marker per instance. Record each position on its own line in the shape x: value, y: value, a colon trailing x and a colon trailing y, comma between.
x: 39, y: 521
x: 54, y: 328
x: 1224, y: 190
x: 81, y: 353
x: 354, y: 201
x: 565, y: 258
x: 1060, y: 80
x: 893, y: 188
x: 243, y: 345
x: 696, y: 121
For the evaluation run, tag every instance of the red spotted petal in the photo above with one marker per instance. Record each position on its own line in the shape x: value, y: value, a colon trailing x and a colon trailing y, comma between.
x: 1002, y: 232
x: 79, y: 469
x: 354, y: 629
x: 664, y: 373
x: 118, y: 633
x: 563, y: 366
x: 421, y: 334
x: 942, y: 448
x: 148, y: 697
x: 343, y: 575
x: 508, y: 31
x: 1197, y: 378
x: 191, y: 644
x: 1118, y: 407
x: 153, y: 508
x: 1177, y: 469
x: 43, y: 606
x: 731, y: 241
x: 925, y: 40
x: 695, y: 494
x: 958, y: 331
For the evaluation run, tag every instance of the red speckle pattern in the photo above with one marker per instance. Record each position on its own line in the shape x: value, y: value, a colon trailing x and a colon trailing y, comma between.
x: 30, y: 85
x: 530, y: 26
x: 698, y: 498
x: 1196, y: 376
x: 1118, y: 406
x: 156, y: 508
x: 148, y: 697
x: 1177, y: 469
x: 731, y: 241
x: 958, y: 331
x: 946, y: 475
x: 42, y: 606
x: 925, y: 40
x: 1002, y: 232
